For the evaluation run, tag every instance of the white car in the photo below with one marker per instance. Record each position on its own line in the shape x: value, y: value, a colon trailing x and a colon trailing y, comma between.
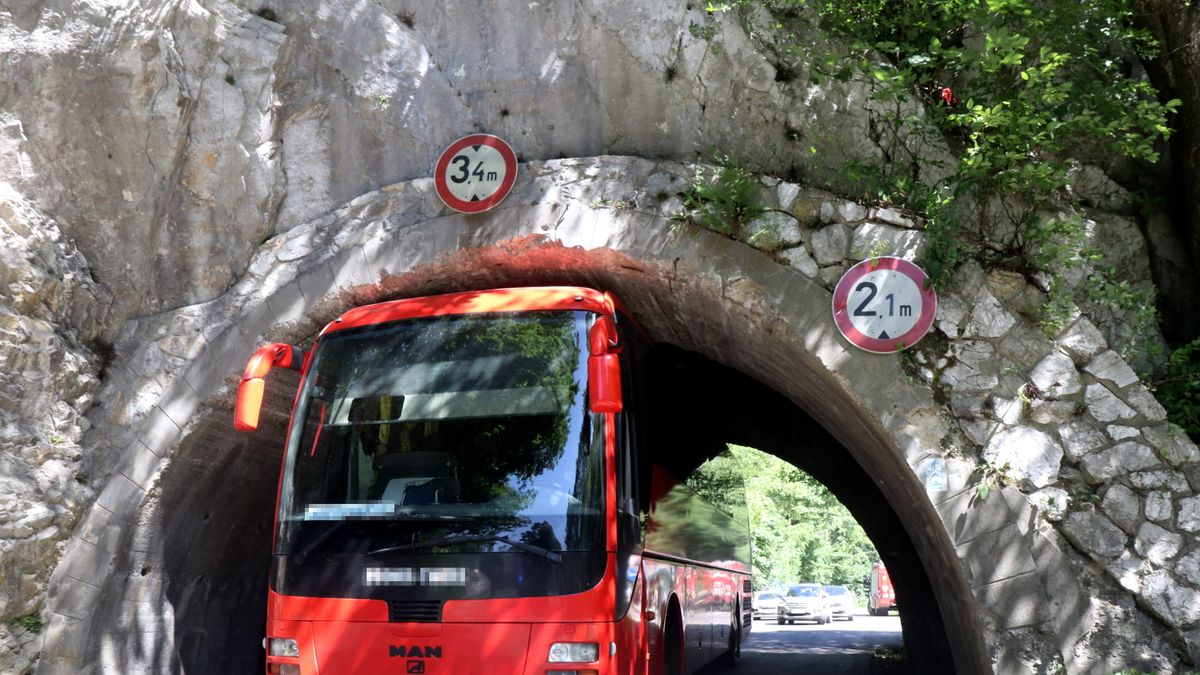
x: 841, y: 602
x: 766, y: 604
x: 804, y: 602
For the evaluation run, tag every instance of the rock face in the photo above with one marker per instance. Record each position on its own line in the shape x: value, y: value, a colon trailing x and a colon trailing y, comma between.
x: 49, y: 309
x: 221, y: 123
x: 183, y: 180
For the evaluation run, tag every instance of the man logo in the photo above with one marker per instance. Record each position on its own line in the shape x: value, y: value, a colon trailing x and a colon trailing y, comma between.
x: 415, y: 651
x: 415, y: 667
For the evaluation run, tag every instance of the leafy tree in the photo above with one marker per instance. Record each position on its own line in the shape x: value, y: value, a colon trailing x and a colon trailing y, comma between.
x: 800, y: 531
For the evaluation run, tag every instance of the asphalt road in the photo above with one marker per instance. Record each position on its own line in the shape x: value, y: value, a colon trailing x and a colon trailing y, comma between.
x: 839, y: 647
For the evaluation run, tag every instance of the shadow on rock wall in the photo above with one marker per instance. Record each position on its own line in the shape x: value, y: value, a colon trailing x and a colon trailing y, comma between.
x: 202, y: 551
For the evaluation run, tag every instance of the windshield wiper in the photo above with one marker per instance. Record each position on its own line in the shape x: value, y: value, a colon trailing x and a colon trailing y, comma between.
x: 552, y: 556
x: 319, y: 540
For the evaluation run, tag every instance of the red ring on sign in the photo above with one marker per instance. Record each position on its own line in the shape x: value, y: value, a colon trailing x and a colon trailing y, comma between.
x: 510, y: 173
x: 841, y: 296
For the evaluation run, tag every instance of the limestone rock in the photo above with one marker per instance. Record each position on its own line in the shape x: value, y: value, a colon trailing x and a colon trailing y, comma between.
x: 1082, y: 340
x: 830, y: 275
x: 1079, y: 438
x: 891, y: 216
x: 1051, y: 412
x: 842, y: 211
x: 1094, y: 534
x: 1188, y: 567
x: 1157, y: 544
x: 1055, y: 376
x: 1128, y: 570
x: 1123, y: 506
x: 1173, y: 481
x: 988, y: 318
x: 1110, y: 367
x: 830, y: 243
x: 872, y: 240
x: 973, y: 369
x: 785, y: 197
x: 1172, y: 443
x: 1032, y: 456
x: 1144, y: 402
x: 1189, y: 514
x: 1159, y: 506
x: 1105, y: 406
x: 952, y: 312
x: 1052, y: 502
x: 1095, y: 189
x: 772, y: 231
x: 1121, y: 458
x: 1121, y: 433
x: 1170, y: 600
x: 799, y: 258
x: 807, y: 205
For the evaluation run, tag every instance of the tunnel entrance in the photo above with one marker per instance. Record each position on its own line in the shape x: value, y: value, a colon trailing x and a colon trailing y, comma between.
x: 213, y: 511
x: 746, y: 348
x: 707, y: 405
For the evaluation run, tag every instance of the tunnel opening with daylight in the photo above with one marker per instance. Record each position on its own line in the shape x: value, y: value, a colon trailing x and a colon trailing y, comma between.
x: 706, y: 406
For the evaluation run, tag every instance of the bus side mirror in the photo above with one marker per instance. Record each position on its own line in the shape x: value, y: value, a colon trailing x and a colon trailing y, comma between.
x: 253, y: 384
x: 604, y: 383
x: 604, y: 367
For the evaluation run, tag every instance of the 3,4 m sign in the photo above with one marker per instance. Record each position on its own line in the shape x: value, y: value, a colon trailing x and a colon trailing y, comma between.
x: 883, y: 305
x: 475, y: 173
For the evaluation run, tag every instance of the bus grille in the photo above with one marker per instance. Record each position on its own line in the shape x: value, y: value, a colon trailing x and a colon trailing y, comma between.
x: 427, y: 611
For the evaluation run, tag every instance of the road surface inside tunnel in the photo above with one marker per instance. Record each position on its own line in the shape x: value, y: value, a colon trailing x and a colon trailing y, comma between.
x: 842, y: 647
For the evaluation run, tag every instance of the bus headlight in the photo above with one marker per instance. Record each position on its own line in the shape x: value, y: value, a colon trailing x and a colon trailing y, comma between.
x: 283, y: 647
x: 574, y: 652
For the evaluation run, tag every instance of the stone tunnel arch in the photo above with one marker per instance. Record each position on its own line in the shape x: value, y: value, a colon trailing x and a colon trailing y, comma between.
x: 142, y: 559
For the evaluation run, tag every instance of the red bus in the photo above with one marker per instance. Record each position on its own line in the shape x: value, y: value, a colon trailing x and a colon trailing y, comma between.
x: 466, y: 488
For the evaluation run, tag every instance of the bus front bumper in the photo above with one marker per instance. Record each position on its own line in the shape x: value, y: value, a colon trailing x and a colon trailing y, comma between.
x: 362, y: 648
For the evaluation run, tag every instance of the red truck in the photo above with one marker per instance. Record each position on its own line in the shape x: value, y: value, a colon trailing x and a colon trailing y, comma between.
x: 882, y: 596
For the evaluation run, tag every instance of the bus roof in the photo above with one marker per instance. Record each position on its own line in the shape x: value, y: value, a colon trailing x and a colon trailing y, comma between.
x: 477, y: 302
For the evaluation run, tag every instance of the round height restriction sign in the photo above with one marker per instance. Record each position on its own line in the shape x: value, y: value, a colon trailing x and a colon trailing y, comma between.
x: 883, y: 305
x: 475, y: 173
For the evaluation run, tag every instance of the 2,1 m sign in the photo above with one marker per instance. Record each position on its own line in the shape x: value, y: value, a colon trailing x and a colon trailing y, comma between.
x: 475, y: 173
x: 883, y: 305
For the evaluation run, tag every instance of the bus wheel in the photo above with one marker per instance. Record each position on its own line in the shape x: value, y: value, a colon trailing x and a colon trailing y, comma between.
x: 673, y: 643
x: 734, y: 652
x: 779, y: 620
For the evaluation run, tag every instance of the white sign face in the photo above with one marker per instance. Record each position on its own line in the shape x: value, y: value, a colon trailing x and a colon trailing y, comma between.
x: 475, y: 173
x: 883, y: 304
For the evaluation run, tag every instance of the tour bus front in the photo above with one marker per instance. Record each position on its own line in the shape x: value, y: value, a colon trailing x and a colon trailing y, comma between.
x: 443, y: 501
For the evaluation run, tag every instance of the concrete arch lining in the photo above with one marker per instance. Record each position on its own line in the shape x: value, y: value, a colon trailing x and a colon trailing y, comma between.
x: 695, y: 290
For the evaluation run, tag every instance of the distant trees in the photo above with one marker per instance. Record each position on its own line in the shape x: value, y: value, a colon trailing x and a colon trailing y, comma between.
x: 800, y: 531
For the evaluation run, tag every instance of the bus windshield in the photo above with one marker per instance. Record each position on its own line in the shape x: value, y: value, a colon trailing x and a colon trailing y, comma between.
x: 465, y: 433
